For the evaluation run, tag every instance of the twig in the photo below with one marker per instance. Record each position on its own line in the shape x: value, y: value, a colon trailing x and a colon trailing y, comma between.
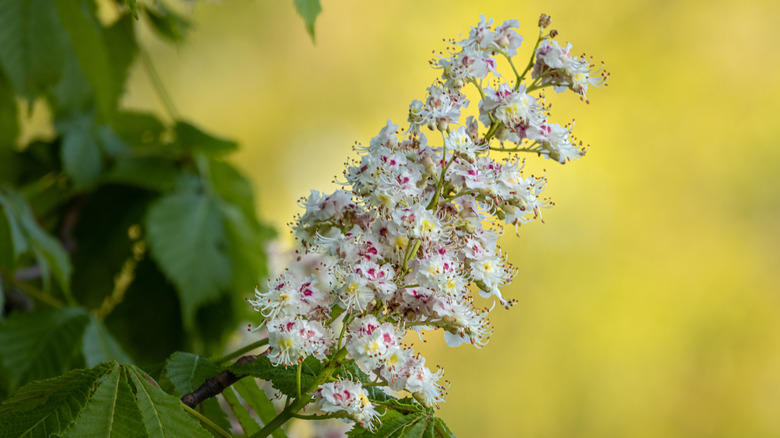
x: 215, y: 385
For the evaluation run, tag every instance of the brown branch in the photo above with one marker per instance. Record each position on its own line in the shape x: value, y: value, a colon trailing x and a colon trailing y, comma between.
x: 215, y: 385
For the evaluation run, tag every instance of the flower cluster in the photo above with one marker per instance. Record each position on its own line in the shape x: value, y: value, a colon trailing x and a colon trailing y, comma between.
x: 415, y: 229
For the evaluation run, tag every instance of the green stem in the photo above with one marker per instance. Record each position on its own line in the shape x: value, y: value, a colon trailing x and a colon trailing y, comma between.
x: 518, y: 77
x: 493, y: 129
x: 514, y: 150
x: 206, y: 421
x: 240, y: 352
x: 300, y: 403
x: 158, y: 85
x: 435, y: 201
x: 482, y: 96
x: 317, y: 417
x: 298, y: 379
x: 411, y: 255
x: 533, y: 57
x: 33, y: 291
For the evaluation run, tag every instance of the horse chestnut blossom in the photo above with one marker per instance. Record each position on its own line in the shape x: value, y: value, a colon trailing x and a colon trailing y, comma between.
x: 413, y: 233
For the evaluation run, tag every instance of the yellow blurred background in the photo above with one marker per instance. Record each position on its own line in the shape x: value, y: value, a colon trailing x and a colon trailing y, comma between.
x: 649, y: 301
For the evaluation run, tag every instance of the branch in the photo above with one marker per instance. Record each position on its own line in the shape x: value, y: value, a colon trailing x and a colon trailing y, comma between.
x: 215, y: 385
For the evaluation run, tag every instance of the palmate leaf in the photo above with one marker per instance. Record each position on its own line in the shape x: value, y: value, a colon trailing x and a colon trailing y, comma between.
x: 308, y: 10
x: 405, y: 418
x: 255, y: 398
x: 246, y: 235
x: 283, y: 379
x: 28, y: 235
x: 17, y: 239
x: 167, y: 23
x: 33, y: 45
x: 133, y: 6
x: 240, y: 411
x: 151, y: 173
x: 187, y: 239
x: 41, y: 344
x: 112, y: 410
x: 98, y: 345
x: 82, y: 158
x: 46, y: 408
x: 190, y: 137
x: 187, y: 371
x: 163, y: 415
x: 395, y: 425
x: 9, y: 127
x: 104, y: 55
x: 107, y: 400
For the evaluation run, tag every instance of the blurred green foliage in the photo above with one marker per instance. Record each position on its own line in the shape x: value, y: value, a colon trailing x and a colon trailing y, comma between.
x: 123, y: 236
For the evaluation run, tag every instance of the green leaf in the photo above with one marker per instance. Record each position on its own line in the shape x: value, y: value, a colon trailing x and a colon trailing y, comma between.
x: 151, y: 173
x: 167, y: 23
x: 81, y: 156
x: 308, y: 10
x: 33, y: 45
x: 41, y: 344
x: 188, y: 371
x: 247, y: 239
x: 397, y: 426
x: 72, y: 94
x: 137, y: 128
x: 389, y: 419
x: 240, y: 411
x: 163, y: 415
x: 7, y: 259
x: 133, y: 6
x: 100, y: 346
x: 27, y: 235
x: 112, y: 145
x: 17, y: 237
x: 211, y: 409
x: 232, y: 186
x: 46, y: 408
x: 430, y: 430
x: 417, y: 430
x: 120, y: 42
x: 9, y: 131
x: 441, y: 429
x: 104, y: 55
x: 246, y: 235
x: 187, y: 239
x: 111, y: 412
x: 190, y: 137
x: 283, y: 379
x: 255, y: 398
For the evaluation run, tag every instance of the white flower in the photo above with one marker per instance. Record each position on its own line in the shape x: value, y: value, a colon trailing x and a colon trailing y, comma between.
x: 422, y: 381
x: 555, y: 143
x: 347, y: 396
x: 354, y: 293
x: 460, y: 141
x: 291, y: 339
